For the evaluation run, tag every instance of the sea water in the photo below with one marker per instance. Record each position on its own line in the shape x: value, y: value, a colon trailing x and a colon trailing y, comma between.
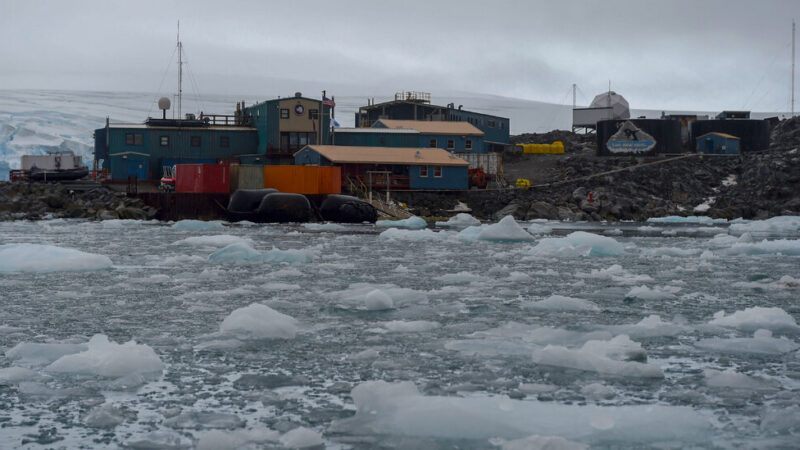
x: 670, y: 334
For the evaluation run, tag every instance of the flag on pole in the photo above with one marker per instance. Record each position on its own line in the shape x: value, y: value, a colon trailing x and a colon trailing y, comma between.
x: 328, y: 102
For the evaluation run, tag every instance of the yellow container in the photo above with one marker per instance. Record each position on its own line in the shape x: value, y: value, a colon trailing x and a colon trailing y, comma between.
x: 556, y: 148
x: 523, y: 183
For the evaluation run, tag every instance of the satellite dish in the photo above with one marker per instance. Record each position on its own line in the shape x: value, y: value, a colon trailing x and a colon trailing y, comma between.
x: 163, y: 103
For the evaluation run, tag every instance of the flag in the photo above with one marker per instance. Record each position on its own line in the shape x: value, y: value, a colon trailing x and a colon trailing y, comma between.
x: 334, y: 123
x: 328, y: 102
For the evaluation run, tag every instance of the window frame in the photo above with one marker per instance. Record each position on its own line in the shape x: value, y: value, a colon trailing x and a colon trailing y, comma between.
x: 313, y: 114
x: 437, y: 169
x: 163, y: 140
x: 195, y: 141
x: 451, y: 144
x: 134, y: 139
x: 284, y: 112
x: 468, y: 144
x: 490, y: 123
x: 432, y: 143
x: 423, y: 171
x: 225, y: 142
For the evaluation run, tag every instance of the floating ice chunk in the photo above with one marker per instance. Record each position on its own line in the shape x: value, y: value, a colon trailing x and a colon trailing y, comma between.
x: 105, y: 416
x: 218, y: 240
x: 459, y: 220
x: 301, y: 437
x: 376, y: 300
x: 562, y: 303
x: 785, y: 282
x: 410, y: 326
x: 650, y: 326
x: 161, y: 440
x: 779, y: 420
x: 31, y: 353
x: 412, y: 222
x: 598, y: 391
x: 506, y: 230
x: 108, y: 359
x: 205, y: 419
x: 616, y: 274
x: 778, y: 246
x: 671, y: 251
x: 235, y: 439
x: 777, y: 225
x: 355, y: 296
x: 369, y: 353
x: 520, y: 339
x: 258, y: 321
x: 243, y: 252
x: 536, y: 442
x: 704, y: 220
x: 122, y: 223
x: 458, y: 278
x: 519, y: 277
x: 762, y: 343
x: 198, y: 225
x: 10, y: 375
x: 614, y: 357
x: 646, y: 229
x: 324, y: 227
x: 412, y: 235
x: 41, y: 258
x: 656, y: 293
x: 536, y: 228
x: 399, y: 409
x: 752, y: 319
x: 730, y: 379
x: 613, y: 232
x: 578, y: 243
x: 470, y: 234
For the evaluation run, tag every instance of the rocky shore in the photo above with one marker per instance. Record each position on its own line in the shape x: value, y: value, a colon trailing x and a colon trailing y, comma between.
x: 36, y: 201
x: 575, y: 186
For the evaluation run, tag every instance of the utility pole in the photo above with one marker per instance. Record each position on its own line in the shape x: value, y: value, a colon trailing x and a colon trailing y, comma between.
x: 180, y: 71
x: 574, y: 98
x: 793, y: 67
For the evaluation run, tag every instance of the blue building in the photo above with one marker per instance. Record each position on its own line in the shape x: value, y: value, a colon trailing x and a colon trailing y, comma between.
x: 265, y: 133
x: 455, y: 137
x: 715, y: 143
x: 417, y: 106
x: 397, y: 167
x: 375, y: 137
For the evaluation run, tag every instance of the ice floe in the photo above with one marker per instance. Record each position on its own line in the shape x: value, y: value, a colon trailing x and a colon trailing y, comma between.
x: 730, y: 379
x: 301, y: 437
x: 412, y: 235
x: 536, y: 442
x: 33, y: 353
x: 324, y: 227
x: 655, y: 293
x: 762, y: 343
x: 507, y: 229
x: 400, y: 409
x: 648, y: 327
x: 777, y: 225
x: 217, y: 240
x: 757, y: 317
x: 537, y: 228
x: 562, y: 303
x: 616, y: 274
x: 413, y: 222
x: 618, y: 356
x: 40, y: 258
x: 108, y: 359
x: 243, y: 252
x: 578, y: 243
x: 703, y: 220
x: 460, y: 220
x: 409, y: 326
x: 258, y: 321
x: 236, y: 439
x: 376, y: 296
x: 198, y: 225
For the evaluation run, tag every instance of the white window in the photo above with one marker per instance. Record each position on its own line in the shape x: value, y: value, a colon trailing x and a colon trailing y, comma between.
x: 468, y: 144
x: 423, y: 171
x: 437, y: 171
x: 451, y: 144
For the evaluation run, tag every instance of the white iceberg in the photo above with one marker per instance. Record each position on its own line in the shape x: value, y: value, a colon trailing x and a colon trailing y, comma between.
x: 507, y: 229
x: 217, y: 240
x: 578, y: 243
x: 243, y: 252
x: 775, y: 319
x: 40, y: 258
x: 109, y: 359
x: 198, y: 225
x: 562, y: 303
x: 258, y: 321
x: 762, y: 343
x: 459, y: 220
x: 412, y: 222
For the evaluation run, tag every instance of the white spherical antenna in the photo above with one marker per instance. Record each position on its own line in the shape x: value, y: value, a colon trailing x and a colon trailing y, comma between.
x: 163, y: 103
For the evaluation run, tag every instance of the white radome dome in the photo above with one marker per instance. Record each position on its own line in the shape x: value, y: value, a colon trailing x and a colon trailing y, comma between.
x: 619, y: 106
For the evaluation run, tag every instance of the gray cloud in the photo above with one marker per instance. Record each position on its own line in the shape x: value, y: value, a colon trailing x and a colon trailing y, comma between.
x: 661, y: 55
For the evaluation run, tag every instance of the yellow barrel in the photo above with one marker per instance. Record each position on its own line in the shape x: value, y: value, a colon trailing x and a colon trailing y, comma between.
x: 523, y: 183
x: 556, y: 148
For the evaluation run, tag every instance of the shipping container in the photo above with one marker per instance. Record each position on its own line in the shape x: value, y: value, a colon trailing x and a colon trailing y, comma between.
x: 556, y: 148
x: 304, y: 179
x: 639, y: 137
x: 51, y: 162
x: 246, y: 177
x: 491, y: 163
x: 203, y: 178
x: 754, y: 134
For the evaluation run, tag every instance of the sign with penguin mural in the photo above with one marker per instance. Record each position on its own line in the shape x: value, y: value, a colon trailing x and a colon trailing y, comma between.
x: 630, y: 139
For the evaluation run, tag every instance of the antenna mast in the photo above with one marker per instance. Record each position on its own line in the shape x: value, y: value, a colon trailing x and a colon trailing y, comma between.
x: 180, y: 70
x: 574, y: 87
x: 792, y: 67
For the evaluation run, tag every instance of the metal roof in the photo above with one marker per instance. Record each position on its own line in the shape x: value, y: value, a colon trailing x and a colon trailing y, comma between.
x: 375, y: 130
x: 434, y: 127
x: 143, y: 126
x: 725, y: 135
x: 387, y: 155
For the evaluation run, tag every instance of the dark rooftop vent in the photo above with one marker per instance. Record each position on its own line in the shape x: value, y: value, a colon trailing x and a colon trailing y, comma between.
x: 298, y: 94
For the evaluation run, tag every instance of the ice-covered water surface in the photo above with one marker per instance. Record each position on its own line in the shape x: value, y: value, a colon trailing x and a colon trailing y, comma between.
x: 356, y: 336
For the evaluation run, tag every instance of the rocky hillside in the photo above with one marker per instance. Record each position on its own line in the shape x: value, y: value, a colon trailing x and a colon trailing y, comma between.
x: 582, y: 186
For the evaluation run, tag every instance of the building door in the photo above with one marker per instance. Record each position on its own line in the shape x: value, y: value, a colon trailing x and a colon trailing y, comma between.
x: 138, y: 168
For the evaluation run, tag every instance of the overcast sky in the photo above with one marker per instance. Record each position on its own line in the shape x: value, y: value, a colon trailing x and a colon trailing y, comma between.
x: 676, y: 54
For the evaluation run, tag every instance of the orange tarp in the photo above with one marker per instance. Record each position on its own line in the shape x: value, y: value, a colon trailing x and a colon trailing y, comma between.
x: 304, y: 179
